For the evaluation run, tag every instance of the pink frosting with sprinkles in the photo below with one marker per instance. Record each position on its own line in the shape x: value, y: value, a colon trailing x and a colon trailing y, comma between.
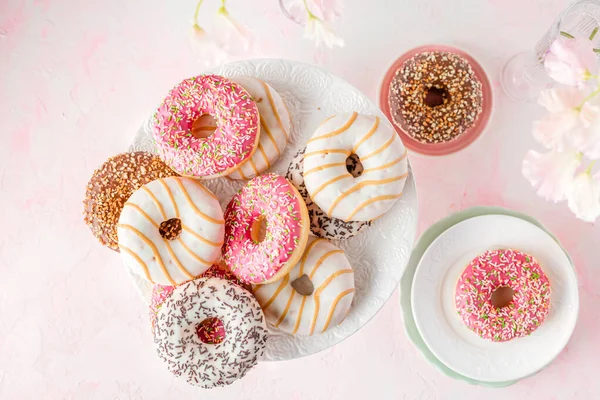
x: 272, y: 197
x: 160, y: 293
x: 503, y: 268
x: 234, y: 139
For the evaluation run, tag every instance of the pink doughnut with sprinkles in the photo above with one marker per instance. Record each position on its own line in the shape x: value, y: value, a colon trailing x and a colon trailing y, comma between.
x: 502, y: 295
x: 266, y: 230
x: 190, y: 150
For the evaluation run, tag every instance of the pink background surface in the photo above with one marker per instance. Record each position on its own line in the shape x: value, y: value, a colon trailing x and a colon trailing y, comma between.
x: 76, y: 80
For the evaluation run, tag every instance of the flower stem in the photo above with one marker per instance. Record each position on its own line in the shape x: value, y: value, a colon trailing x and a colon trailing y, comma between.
x: 197, y: 11
x: 589, y: 97
x: 310, y: 14
x: 567, y: 35
x: 589, y: 168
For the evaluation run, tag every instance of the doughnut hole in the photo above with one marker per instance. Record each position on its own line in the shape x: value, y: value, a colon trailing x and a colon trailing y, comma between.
x: 303, y: 285
x: 435, y: 96
x: 502, y: 296
x: 258, y: 229
x: 211, y: 331
x: 170, y: 229
x: 204, y: 126
x: 354, y: 166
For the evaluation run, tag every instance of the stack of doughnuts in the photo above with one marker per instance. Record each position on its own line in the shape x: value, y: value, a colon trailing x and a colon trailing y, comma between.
x: 223, y: 276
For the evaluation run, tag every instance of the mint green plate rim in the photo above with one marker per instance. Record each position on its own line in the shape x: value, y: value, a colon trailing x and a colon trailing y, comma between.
x: 406, y: 282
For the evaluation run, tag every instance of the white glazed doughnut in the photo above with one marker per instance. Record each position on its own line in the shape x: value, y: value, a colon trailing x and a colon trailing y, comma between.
x: 381, y: 153
x: 210, y: 332
x: 315, y: 296
x: 274, y: 127
x: 171, y: 230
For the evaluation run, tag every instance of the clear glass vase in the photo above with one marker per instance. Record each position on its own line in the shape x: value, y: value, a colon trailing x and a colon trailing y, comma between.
x: 524, y: 76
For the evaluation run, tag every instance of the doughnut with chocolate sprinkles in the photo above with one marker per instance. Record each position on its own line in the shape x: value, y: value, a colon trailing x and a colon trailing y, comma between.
x: 210, y: 332
x: 160, y: 293
x: 320, y: 224
x: 110, y: 187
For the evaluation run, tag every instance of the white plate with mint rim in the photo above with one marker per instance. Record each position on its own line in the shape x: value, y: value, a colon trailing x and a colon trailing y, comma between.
x: 379, y: 254
x: 450, y: 340
x: 421, y: 246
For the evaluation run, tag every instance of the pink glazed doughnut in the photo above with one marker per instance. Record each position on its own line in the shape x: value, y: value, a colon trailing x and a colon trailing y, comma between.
x: 502, y: 295
x: 237, y: 127
x: 266, y: 230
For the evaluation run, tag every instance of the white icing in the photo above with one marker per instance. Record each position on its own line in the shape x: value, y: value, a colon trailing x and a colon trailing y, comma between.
x: 275, y: 119
x: 201, y: 218
x: 333, y: 279
x: 370, y: 195
x: 203, y: 364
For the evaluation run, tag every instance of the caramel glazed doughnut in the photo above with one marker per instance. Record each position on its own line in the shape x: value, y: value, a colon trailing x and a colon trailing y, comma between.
x: 381, y: 152
x: 274, y: 127
x: 315, y: 296
x: 210, y: 359
x: 171, y: 231
x: 320, y: 224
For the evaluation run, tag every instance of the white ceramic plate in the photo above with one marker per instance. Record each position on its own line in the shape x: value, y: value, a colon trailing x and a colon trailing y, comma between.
x: 379, y: 254
x: 450, y: 340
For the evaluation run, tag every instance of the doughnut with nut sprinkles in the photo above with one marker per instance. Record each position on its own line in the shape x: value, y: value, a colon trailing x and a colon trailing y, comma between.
x: 266, y: 229
x: 110, y: 187
x: 435, y: 97
x: 503, y: 294
x: 315, y: 296
x: 380, y: 151
x: 171, y: 231
x: 237, y: 127
x: 274, y: 127
x: 210, y: 332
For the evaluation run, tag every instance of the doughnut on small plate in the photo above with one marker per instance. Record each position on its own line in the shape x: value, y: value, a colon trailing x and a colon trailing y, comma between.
x: 440, y: 326
x: 378, y: 254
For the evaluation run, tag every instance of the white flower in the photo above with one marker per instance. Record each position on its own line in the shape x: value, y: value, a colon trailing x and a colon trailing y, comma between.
x: 560, y: 99
x: 556, y: 129
x: 319, y: 32
x: 205, y: 48
x: 584, y: 197
x: 571, y: 61
x: 588, y: 141
x: 553, y: 130
x: 233, y: 37
x: 551, y: 173
x: 328, y: 9
x: 299, y: 10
